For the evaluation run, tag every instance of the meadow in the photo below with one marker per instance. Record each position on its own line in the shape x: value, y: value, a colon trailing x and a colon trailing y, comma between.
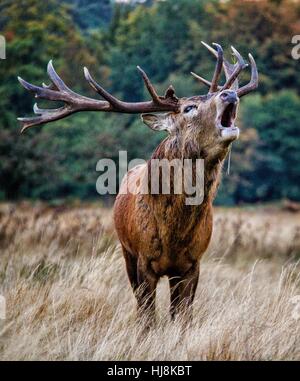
x: 68, y: 297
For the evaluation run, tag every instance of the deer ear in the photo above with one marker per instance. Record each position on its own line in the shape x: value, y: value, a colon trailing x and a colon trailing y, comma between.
x: 158, y: 122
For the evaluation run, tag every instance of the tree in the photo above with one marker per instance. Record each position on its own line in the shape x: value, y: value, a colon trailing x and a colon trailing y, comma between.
x: 277, y: 162
x: 35, y: 32
x: 164, y: 37
x: 150, y: 37
x: 90, y: 14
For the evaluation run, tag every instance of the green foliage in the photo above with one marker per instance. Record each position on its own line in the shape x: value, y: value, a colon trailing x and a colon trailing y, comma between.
x: 277, y: 167
x: 90, y: 14
x: 163, y: 37
x: 266, y: 161
x: 151, y: 38
x: 28, y: 163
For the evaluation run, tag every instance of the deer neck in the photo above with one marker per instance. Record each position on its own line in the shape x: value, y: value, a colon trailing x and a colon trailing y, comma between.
x: 176, y: 148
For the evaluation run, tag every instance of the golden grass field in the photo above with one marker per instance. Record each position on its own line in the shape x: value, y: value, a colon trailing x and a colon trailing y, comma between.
x: 68, y: 297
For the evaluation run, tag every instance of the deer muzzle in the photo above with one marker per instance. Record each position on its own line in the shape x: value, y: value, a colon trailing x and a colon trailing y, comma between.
x: 226, y: 115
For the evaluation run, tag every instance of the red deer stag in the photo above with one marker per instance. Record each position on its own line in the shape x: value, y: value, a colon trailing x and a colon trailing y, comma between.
x: 160, y: 234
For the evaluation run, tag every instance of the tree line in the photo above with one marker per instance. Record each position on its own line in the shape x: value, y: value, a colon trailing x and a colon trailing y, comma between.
x: 164, y: 37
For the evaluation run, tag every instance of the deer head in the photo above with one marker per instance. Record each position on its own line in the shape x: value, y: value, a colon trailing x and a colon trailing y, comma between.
x: 199, y: 124
x: 205, y: 125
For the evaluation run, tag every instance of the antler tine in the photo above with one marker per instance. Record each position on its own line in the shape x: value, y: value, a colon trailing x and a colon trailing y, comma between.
x: 228, y: 70
x: 201, y: 79
x: 212, y: 50
x: 55, y: 78
x: 100, y: 90
x: 150, y: 87
x: 213, y: 85
x: 238, y: 67
x: 218, y: 69
x: 252, y: 85
x: 45, y: 116
x: 41, y: 111
x: 42, y: 92
x: 170, y: 94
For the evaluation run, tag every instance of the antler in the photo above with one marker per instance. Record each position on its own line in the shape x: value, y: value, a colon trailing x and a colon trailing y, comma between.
x: 213, y: 85
x: 232, y: 72
x: 73, y: 102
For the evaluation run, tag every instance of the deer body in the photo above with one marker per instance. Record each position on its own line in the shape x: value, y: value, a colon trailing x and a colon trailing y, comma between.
x: 161, y: 234
x: 168, y: 234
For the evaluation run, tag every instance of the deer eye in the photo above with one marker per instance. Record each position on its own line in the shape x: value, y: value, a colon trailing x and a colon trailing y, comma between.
x: 189, y: 108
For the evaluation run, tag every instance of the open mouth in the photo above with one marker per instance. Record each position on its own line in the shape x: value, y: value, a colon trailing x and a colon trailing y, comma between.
x: 225, y: 122
x: 228, y: 116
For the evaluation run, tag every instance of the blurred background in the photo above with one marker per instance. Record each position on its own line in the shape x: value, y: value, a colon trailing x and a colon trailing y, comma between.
x: 58, y: 161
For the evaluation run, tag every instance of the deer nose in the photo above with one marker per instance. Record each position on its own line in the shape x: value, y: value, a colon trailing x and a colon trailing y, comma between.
x: 229, y: 96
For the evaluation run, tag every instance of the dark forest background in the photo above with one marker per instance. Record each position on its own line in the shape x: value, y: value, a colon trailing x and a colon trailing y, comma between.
x: 58, y: 160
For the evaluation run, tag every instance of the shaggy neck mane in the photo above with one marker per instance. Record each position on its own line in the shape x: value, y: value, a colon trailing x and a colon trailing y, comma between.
x: 174, y: 147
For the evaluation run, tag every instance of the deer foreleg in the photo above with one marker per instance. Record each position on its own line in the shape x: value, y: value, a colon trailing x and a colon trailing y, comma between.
x: 182, y: 292
x: 145, y: 294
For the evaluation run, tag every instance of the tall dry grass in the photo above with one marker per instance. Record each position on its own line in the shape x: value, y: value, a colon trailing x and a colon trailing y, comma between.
x: 68, y: 297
